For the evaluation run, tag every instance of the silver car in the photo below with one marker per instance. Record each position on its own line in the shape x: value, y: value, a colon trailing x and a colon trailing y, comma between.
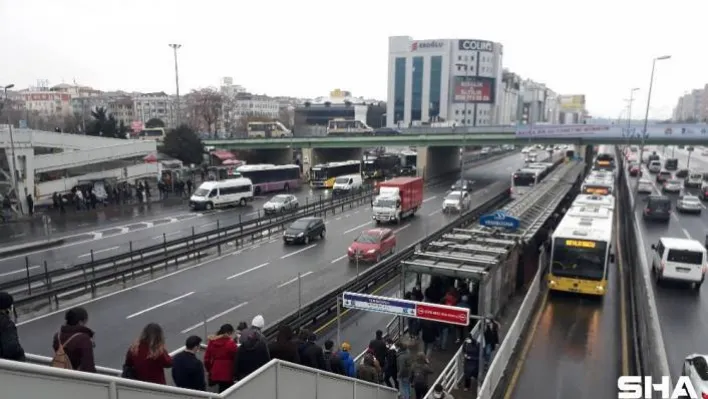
x: 281, y: 203
x: 695, y: 367
x: 645, y: 187
x: 689, y: 204
x: 672, y: 186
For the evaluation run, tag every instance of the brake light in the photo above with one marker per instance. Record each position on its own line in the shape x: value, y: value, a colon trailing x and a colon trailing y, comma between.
x: 704, y: 395
x: 647, y: 210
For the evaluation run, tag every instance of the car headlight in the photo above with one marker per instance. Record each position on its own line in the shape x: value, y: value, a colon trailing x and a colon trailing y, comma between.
x: 350, y: 249
x: 371, y: 251
x: 301, y: 234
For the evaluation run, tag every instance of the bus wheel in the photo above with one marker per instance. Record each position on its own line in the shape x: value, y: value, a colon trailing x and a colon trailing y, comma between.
x: 286, y: 187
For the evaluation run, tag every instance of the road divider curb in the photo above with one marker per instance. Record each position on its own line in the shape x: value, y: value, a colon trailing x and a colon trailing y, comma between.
x: 30, y: 247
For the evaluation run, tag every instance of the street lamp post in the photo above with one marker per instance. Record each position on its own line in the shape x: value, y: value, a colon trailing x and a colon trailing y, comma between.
x: 646, y: 121
x: 13, y: 174
x: 175, y: 47
x: 629, y: 114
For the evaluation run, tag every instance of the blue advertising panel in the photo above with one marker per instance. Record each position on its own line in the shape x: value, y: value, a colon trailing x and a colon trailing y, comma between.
x: 499, y: 219
x: 380, y: 304
x: 674, y: 131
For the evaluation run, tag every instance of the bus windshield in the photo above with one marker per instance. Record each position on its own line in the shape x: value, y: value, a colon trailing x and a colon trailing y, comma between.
x: 579, y: 258
x: 319, y: 174
x: 524, y: 179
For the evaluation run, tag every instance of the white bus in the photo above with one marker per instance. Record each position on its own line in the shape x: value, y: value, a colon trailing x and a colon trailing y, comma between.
x: 267, y: 177
x: 602, y: 201
x: 152, y: 133
x: 523, y: 181
x: 219, y: 194
x: 267, y: 130
x: 348, y: 127
x: 580, y: 252
x: 597, y: 186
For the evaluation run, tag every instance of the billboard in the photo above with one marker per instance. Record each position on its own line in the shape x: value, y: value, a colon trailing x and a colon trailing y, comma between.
x: 474, y: 89
x: 423, y: 45
x: 676, y: 132
x: 572, y: 103
x: 475, y: 45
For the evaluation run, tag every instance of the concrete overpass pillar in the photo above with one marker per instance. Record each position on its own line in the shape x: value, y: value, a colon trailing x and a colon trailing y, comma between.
x: 436, y: 161
x: 24, y: 164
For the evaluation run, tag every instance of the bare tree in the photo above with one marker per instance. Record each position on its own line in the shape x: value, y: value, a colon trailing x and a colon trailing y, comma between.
x: 207, y: 105
x: 286, y: 116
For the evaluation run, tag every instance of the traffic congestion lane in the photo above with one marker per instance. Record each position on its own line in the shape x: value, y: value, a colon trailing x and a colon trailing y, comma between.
x: 114, y: 240
x: 573, y: 347
x: 185, y: 298
x: 683, y: 313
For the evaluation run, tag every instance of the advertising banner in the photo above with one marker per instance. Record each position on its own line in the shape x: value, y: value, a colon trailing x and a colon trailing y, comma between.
x: 475, y: 45
x: 674, y: 131
x: 406, y: 308
x: 474, y: 90
x: 572, y: 103
x: 426, y: 45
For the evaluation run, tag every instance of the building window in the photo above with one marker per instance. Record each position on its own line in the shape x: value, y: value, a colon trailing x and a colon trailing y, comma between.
x: 417, y: 92
x: 435, y: 85
x: 399, y: 89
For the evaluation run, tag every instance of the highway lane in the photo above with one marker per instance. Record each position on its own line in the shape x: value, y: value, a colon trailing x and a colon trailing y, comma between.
x: 259, y: 280
x: 573, y: 347
x: 116, y: 239
x: 683, y: 313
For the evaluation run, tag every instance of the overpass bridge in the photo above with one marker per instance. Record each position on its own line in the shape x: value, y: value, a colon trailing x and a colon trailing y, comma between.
x: 74, y: 151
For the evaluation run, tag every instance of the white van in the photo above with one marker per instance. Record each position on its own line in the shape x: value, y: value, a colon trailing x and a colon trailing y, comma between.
x: 679, y: 259
x: 694, y: 180
x: 654, y: 167
x: 217, y: 194
x: 347, y: 183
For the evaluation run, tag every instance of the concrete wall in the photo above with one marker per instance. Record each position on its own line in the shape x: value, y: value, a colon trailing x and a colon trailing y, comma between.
x: 314, y: 156
x: 436, y: 161
x: 282, y: 156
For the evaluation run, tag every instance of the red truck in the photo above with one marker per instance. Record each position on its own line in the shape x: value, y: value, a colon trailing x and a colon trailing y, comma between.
x: 397, y: 199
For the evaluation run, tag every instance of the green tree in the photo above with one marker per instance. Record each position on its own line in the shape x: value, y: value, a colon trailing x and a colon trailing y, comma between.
x: 154, y: 122
x: 105, y: 125
x: 184, y: 144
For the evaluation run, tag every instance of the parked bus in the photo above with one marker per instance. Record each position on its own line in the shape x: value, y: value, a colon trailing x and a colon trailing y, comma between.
x: 580, y: 254
x: 267, y: 130
x: 348, y: 127
x: 267, y: 177
x: 152, y: 133
x: 523, y: 181
x: 323, y: 175
x: 381, y: 166
x: 409, y: 162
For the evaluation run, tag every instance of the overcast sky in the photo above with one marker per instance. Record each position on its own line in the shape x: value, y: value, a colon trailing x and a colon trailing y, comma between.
x: 308, y: 47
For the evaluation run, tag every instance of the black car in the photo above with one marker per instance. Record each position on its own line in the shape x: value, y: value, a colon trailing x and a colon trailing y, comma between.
x: 386, y: 131
x: 462, y: 185
x: 671, y: 164
x: 658, y: 207
x: 682, y: 174
x: 304, y: 230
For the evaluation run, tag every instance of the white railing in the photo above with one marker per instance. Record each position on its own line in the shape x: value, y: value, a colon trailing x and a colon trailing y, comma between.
x: 40, y: 138
x: 74, y: 159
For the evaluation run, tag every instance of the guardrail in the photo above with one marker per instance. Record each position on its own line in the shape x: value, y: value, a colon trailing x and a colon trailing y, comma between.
x: 325, y: 306
x: 649, y: 349
x: 87, y: 277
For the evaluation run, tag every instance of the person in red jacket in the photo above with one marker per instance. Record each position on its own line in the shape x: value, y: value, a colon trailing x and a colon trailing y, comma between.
x: 77, y: 340
x: 220, y: 356
x: 147, y: 358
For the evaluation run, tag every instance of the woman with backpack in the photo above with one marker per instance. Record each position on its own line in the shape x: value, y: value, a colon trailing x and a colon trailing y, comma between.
x: 220, y: 356
x: 147, y: 358
x: 73, y: 344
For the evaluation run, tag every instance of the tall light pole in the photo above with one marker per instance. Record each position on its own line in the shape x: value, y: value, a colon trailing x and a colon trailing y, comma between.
x: 174, y: 49
x: 629, y: 108
x: 646, y: 121
x: 13, y: 174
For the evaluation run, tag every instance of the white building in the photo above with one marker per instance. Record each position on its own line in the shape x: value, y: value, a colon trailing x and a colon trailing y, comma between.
x: 155, y: 105
x: 508, y: 107
x: 456, y: 80
x: 692, y: 106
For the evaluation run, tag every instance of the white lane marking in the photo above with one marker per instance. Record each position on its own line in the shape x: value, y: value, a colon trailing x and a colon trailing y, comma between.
x: 338, y: 259
x: 248, y: 271
x: 160, y: 237
x: 357, y: 227
x: 295, y: 279
x: 355, y: 212
x: 212, y: 318
x: 339, y: 218
x: 686, y: 233
x: 18, y: 271
x: 18, y: 235
x: 435, y: 212
x: 99, y: 251
x: 299, y: 251
x: 159, y: 305
x: 207, y: 225
x: 114, y: 293
x: 402, y: 228
x: 430, y: 198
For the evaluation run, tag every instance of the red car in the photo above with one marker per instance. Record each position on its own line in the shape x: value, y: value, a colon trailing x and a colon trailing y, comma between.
x: 372, y: 245
x: 635, y: 170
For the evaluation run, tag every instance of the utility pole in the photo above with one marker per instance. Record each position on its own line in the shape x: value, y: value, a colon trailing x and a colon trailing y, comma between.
x: 13, y: 163
x: 175, y: 47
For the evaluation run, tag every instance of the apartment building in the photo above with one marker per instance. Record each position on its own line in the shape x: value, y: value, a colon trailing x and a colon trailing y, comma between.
x: 692, y: 106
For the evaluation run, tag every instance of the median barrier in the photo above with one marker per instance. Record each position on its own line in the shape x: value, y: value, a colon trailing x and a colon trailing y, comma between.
x: 30, y: 247
x: 648, y: 342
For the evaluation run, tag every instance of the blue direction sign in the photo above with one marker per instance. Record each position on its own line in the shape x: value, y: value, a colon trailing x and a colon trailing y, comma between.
x: 499, y: 219
x: 380, y: 304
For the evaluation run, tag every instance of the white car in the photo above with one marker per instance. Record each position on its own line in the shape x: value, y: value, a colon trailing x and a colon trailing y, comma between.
x: 281, y: 203
x: 525, y: 150
x: 645, y: 187
x: 689, y: 204
x: 672, y: 186
x: 695, y: 367
x: 456, y: 201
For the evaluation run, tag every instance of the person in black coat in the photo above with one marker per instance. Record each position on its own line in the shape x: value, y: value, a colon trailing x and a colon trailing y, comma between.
x: 187, y: 369
x: 429, y: 333
x: 378, y: 346
x: 390, y: 365
x: 253, y: 352
x: 312, y: 354
x: 284, y: 348
x: 333, y: 363
x: 10, y: 348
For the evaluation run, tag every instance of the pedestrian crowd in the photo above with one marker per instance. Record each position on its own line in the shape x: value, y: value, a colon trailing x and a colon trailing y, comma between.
x: 231, y: 354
